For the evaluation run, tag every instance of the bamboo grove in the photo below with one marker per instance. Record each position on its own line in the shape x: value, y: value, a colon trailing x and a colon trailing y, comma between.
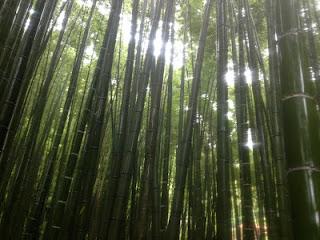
x: 160, y: 119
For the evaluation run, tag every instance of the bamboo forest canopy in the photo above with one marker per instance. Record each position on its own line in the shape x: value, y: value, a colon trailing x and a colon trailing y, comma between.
x: 160, y: 119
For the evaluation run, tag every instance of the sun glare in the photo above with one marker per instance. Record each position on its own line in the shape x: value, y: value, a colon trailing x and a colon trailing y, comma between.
x: 157, y: 43
x: 230, y: 76
x: 59, y: 22
x: 248, y: 76
x: 89, y: 53
x: 86, y: 3
x: 250, y: 143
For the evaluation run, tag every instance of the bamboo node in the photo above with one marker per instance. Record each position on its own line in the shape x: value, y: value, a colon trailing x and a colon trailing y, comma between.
x: 55, y: 227
x: 293, y: 31
x: 297, y: 95
x: 74, y: 154
x: 303, y: 168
